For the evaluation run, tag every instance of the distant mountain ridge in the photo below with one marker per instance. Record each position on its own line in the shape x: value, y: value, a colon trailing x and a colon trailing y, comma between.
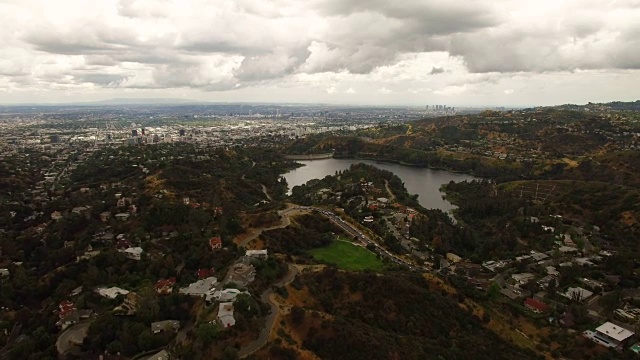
x: 614, y: 105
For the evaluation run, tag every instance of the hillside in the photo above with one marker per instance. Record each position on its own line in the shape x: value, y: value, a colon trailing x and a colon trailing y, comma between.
x: 340, y: 315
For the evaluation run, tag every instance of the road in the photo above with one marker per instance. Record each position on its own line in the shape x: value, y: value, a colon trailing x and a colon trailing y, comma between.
x: 266, y: 297
x: 75, y: 333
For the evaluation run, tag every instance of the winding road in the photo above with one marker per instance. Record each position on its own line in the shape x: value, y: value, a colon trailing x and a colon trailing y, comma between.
x: 266, y: 297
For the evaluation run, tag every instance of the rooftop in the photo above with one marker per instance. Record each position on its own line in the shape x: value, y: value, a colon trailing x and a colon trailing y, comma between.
x: 614, y: 331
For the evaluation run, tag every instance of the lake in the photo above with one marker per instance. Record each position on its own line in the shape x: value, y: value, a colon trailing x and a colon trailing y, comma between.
x: 422, y: 181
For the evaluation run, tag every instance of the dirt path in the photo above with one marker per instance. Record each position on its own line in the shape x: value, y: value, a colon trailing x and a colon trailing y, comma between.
x: 284, y: 222
x: 392, y: 197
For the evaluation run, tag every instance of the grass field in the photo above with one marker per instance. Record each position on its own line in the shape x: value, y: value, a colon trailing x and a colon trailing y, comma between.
x: 347, y: 256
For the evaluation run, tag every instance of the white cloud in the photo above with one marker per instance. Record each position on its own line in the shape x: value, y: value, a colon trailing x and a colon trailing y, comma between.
x: 470, y: 50
x: 350, y: 91
x: 451, y: 90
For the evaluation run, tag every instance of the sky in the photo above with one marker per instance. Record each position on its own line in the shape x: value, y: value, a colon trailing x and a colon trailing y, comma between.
x: 369, y: 52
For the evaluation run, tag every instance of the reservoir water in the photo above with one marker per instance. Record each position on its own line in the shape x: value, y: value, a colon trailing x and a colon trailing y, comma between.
x: 422, y: 181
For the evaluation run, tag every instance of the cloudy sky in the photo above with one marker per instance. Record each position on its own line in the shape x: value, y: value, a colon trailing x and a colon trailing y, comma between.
x: 412, y: 52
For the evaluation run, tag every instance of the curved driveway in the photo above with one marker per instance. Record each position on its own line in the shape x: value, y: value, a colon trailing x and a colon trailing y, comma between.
x: 75, y: 333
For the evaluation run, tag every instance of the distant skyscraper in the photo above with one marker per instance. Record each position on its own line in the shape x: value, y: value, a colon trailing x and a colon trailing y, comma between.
x: 54, y: 139
x: 182, y: 132
x: 142, y: 131
x: 134, y: 132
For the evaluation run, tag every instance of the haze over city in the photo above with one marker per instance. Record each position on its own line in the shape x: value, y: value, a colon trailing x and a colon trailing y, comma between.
x: 461, y: 53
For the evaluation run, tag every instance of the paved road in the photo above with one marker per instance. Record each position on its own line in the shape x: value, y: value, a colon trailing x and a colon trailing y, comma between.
x: 75, y: 333
x: 266, y: 297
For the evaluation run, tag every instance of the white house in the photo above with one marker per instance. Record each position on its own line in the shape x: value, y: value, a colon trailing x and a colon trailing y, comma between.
x: 134, y: 253
x: 260, y: 254
x: 611, y: 335
x: 225, y: 314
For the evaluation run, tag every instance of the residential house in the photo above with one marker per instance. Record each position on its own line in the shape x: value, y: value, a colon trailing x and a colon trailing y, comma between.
x: 226, y: 295
x: 104, y: 216
x: 165, y: 286
x: 204, y: 273
x: 225, y: 314
x: 610, y: 335
x: 134, y: 253
x: 166, y: 325
x: 111, y: 293
x: 129, y: 306
x: 70, y: 319
x: 451, y: 257
x: 122, y: 216
x: 535, y: 305
x: 522, y: 278
x: 215, y: 243
x: 577, y: 293
x: 162, y: 355
x: 65, y: 308
x: 201, y: 287
x: 241, y: 273
x: 260, y: 254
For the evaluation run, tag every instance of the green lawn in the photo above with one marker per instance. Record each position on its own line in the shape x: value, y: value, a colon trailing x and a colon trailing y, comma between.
x: 347, y: 256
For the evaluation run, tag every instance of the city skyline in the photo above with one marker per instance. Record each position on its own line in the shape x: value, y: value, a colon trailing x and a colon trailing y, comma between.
x: 479, y: 53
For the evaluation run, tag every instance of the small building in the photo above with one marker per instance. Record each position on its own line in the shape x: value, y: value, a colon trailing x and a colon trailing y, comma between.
x: 522, y: 278
x: 111, y: 293
x: 535, y: 305
x: 201, y: 287
x: 609, y: 335
x: 70, y: 319
x: 510, y: 293
x: 451, y: 257
x: 104, y: 216
x: 134, y: 253
x: 122, y: 216
x: 162, y: 355
x: 225, y: 295
x: 5, y: 272
x: 65, y: 308
x: 215, y: 243
x: 577, y: 293
x: 567, y: 249
x: 166, y: 325
x: 225, y: 314
x: 205, y: 273
x: 260, y: 254
x: 165, y: 286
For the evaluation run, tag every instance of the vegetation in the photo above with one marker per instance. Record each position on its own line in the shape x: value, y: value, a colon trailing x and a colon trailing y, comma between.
x: 347, y: 256
x: 396, y: 316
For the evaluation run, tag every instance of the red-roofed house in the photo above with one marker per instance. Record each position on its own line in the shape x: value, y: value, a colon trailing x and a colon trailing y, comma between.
x: 215, y: 243
x: 123, y: 244
x: 204, y: 273
x: 535, y: 305
x: 165, y: 286
x: 66, y: 307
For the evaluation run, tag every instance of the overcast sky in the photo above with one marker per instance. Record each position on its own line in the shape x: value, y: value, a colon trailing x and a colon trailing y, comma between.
x: 385, y: 52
